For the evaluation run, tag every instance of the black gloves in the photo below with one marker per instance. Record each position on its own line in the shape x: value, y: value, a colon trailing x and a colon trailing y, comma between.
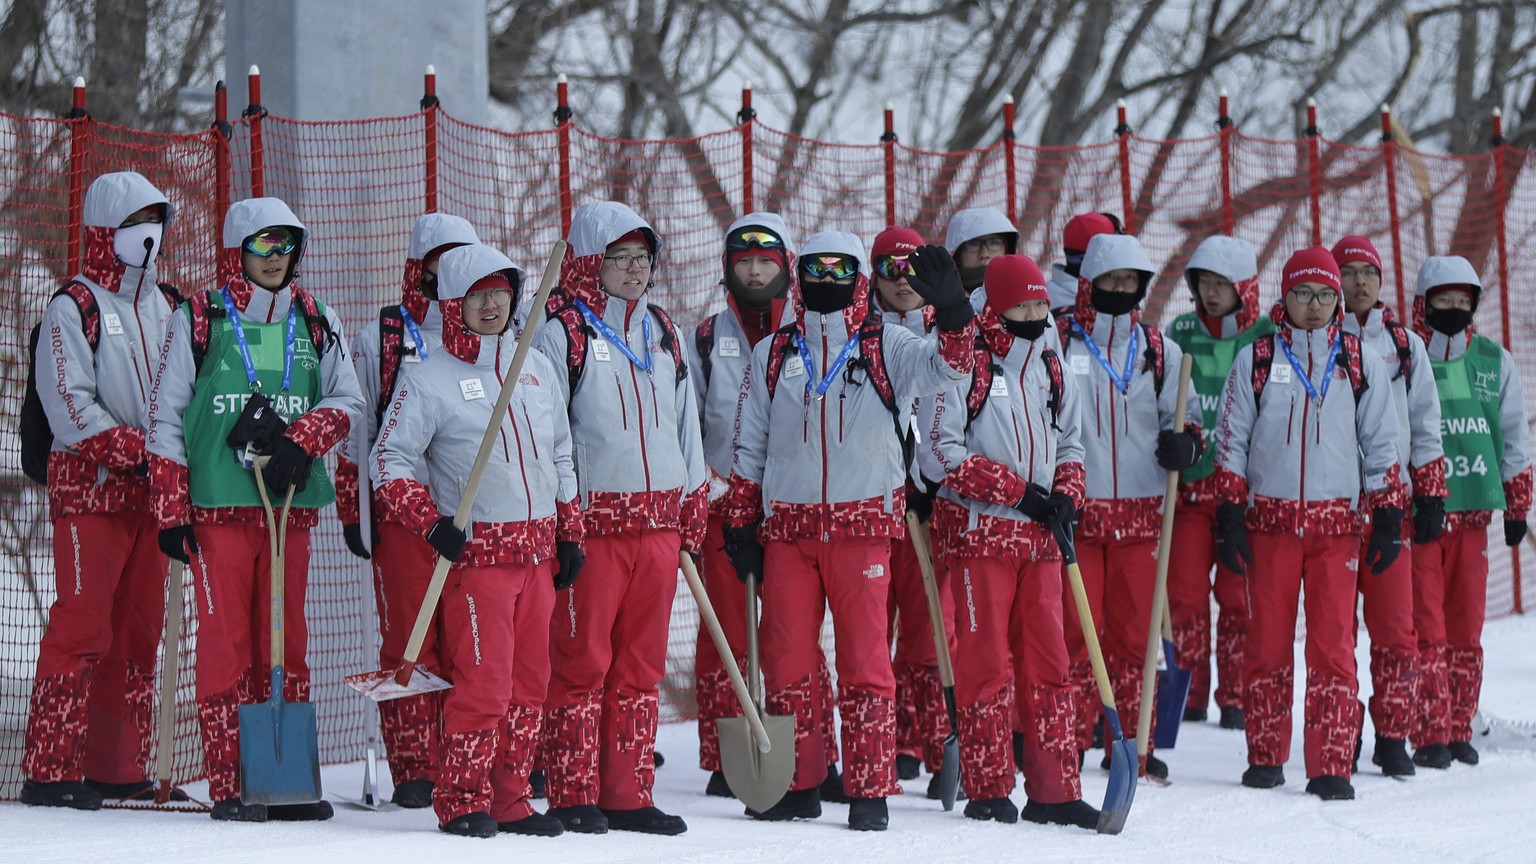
x: 1514, y: 531
x: 1063, y: 511
x: 353, y: 534
x: 936, y: 279
x: 447, y: 539
x: 1232, y: 547
x: 258, y: 424
x: 920, y: 501
x: 289, y: 466
x: 1035, y: 504
x: 180, y: 543
x: 1428, y: 518
x: 1179, y: 450
x: 1386, y: 538
x: 744, y: 551
x: 570, y: 557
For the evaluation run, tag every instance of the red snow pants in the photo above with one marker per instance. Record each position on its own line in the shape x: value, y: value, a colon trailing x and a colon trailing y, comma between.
x: 608, y: 653
x: 1388, y: 612
x: 1190, y: 585
x: 93, y: 699
x: 1450, y: 579
x: 1119, y: 576
x: 411, y: 726
x: 1323, y: 569
x: 920, y: 694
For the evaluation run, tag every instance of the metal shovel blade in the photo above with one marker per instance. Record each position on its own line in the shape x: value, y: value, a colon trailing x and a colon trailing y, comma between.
x: 949, y: 773
x: 279, y: 750
x: 1172, y: 693
x: 758, y: 779
x: 381, y: 686
x: 1122, y: 778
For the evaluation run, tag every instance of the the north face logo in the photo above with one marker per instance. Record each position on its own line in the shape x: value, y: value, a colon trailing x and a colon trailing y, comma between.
x: 528, y: 379
x: 874, y: 571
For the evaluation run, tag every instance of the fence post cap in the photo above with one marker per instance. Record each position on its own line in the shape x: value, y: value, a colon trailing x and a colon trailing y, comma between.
x: 560, y: 79
x: 79, y: 81
x: 431, y: 70
x: 1311, y: 102
x: 1497, y: 111
x: 746, y: 85
x: 1223, y: 93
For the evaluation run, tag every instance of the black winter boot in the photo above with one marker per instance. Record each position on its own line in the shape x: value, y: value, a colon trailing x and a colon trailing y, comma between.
x: 476, y: 824
x: 235, y: 810
x: 64, y: 793
x: 1195, y: 715
x: 1331, y: 788
x: 533, y: 825
x: 657, y: 758
x: 935, y: 794
x: 908, y: 767
x: 868, y: 814
x: 1433, y: 756
x: 646, y: 820
x: 413, y: 794
x: 796, y: 804
x: 1078, y: 813
x: 536, y: 783
x: 717, y: 786
x: 581, y: 819
x: 832, y: 787
x: 1018, y: 751
x: 1463, y: 752
x: 1098, y: 734
x: 1264, y: 776
x: 1155, y: 766
x: 1392, y: 755
x: 318, y: 811
x: 1232, y: 718
x: 992, y: 810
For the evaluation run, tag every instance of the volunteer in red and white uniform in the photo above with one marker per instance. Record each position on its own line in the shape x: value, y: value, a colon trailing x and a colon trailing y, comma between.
x: 1306, y: 456
x: 523, y: 541
x: 1079, y: 231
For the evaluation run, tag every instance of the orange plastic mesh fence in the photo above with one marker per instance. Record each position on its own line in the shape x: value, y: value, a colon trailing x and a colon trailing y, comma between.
x: 359, y: 186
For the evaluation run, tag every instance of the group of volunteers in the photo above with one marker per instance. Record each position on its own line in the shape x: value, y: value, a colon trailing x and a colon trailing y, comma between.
x: 785, y: 443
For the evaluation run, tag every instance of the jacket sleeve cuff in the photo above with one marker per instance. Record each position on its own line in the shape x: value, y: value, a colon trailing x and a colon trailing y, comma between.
x: 317, y: 431
x: 120, y: 448
x: 743, y: 505
x: 694, y: 518
x: 1231, y: 488
x: 1517, y: 495
x: 570, y: 524
x: 1429, y: 479
x: 412, y: 503
x: 1391, y: 493
x: 986, y: 480
x: 1071, y: 480
x: 347, y: 481
x: 170, y: 494
x: 957, y: 347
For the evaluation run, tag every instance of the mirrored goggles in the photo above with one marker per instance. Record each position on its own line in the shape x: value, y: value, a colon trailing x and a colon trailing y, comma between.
x: 837, y: 267
x: 268, y: 243
x: 753, y: 238
x: 893, y: 266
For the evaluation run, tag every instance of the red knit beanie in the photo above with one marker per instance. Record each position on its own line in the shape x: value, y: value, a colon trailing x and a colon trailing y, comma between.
x: 896, y: 240
x: 1354, y: 249
x: 1011, y: 280
x: 1083, y: 228
x: 1310, y: 265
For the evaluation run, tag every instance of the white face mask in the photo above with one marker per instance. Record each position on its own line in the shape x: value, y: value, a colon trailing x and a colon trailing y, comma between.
x: 129, y: 242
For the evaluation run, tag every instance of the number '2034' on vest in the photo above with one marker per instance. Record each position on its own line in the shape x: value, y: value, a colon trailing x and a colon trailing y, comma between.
x: 1469, y: 425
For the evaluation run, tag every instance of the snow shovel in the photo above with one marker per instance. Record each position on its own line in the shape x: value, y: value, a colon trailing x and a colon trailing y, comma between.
x: 1167, y: 700
x: 409, y: 679
x: 1172, y: 692
x: 279, y: 741
x: 949, y: 770
x: 1122, y: 760
x: 757, y: 751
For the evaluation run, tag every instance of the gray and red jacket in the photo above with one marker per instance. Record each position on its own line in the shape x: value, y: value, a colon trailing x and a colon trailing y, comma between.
x: 96, y: 401
x: 1515, y: 462
x: 821, y: 468
x: 988, y: 440
x: 377, y: 378
x: 717, y: 374
x: 316, y: 431
x: 433, y: 429
x: 639, y: 453
x: 1119, y: 429
x: 1420, y: 454
x: 1304, y: 468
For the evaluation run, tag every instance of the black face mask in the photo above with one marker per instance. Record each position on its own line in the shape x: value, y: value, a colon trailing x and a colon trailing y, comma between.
x: 1447, y: 321
x: 1030, y: 330
x: 429, y: 285
x: 760, y: 298
x: 827, y: 297
x: 1114, y: 302
x: 1074, y: 261
x: 972, y: 277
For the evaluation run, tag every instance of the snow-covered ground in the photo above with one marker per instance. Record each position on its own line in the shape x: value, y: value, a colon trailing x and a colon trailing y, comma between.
x: 1482, y: 813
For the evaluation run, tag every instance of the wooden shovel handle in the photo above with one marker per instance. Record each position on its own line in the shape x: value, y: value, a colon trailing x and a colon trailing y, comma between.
x: 918, y: 532
x: 727, y: 658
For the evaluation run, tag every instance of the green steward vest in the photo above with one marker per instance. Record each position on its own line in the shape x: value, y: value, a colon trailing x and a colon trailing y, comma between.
x: 1213, y: 360
x: 1469, y: 426
x: 217, y: 479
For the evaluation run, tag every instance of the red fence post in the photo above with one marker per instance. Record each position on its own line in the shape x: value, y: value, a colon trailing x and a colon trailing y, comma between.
x: 1224, y: 131
x: 1010, y: 166
x: 563, y: 137
x: 1500, y: 148
x: 744, y: 119
x: 430, y: 106
x: 888, y: 141
x: 1123, y: 132
x: 79, y: 133
x: 1314, y: 173
x: 256, y: 111
x: 221, y: 135
x: 1389, y: 158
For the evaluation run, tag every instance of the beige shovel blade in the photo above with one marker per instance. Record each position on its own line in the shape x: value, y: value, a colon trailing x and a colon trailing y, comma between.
x: 381, y: 686
x: 759, y: 779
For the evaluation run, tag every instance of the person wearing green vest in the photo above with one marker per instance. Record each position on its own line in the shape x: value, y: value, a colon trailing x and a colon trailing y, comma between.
x: 255, y: 367
x: 1487, y: 468
x: 1223, y: 278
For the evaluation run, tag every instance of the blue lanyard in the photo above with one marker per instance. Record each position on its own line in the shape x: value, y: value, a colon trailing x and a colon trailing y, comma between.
x: 410, y: 325
x: 245, y: 349
x: 602, y: 327
x: 1123, y: 381
x: 1333, y: 358
x: 810, y: 365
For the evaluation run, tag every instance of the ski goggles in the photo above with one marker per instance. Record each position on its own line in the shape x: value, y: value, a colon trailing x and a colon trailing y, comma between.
x: 893, y: 266
x: 276, y: 241
x: 837, y: 267
x: 753, y: 238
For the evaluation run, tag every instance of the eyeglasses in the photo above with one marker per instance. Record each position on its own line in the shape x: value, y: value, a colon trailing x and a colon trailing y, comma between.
x: 993, y: 243
x: 626, y: 262
x: 499, y: 296
x: 269, y: 243
x: 750, y: 238
x: 893, y: 266
x: 837, y: 267
x: 1363, y: 271
x: 1306, y: 297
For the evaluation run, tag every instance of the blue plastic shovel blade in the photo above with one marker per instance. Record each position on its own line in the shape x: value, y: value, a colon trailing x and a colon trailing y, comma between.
x: 279, y: 750
x: 1122, y: 778
x: 1172, y: 693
